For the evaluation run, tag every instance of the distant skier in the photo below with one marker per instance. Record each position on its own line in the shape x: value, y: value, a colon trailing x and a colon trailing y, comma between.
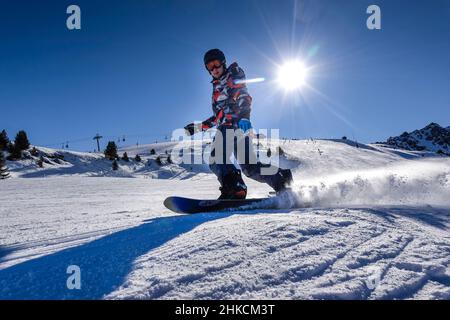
x: 231, y: 105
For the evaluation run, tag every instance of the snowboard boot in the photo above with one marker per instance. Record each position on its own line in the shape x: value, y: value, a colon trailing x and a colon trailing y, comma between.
x: 233, y: 187
x: 282, y: 180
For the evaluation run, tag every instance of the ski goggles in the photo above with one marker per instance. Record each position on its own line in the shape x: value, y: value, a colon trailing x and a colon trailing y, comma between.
x: 215, y: 64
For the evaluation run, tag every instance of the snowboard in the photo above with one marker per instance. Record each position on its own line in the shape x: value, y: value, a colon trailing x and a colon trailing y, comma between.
x: 190, y: 206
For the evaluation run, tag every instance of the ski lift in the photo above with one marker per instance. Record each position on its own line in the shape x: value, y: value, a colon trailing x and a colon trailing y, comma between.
x: 123, y: 139
x: 67, y: 145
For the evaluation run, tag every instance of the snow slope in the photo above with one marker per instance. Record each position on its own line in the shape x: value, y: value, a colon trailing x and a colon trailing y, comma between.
x: 378, y: 228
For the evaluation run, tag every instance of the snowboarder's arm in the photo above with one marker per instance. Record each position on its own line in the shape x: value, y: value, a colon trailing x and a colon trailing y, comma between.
x: 209, y: 123
x: 240, y: 98
x: 193, y: 128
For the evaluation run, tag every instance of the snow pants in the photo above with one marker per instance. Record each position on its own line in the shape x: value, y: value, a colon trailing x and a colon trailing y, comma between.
x: 230, y: 143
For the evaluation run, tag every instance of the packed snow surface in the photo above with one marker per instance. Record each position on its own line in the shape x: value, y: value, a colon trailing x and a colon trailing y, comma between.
x: 376, y: 227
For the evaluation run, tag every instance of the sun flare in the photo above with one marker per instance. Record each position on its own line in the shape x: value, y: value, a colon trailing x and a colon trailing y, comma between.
x: 292, y: 75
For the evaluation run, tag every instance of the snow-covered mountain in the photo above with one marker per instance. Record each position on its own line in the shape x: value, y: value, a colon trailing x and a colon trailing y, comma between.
x: 433, y: 137
x: 378, y: 228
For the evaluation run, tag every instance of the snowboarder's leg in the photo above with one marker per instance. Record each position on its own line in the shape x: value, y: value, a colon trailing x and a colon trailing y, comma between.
x: 231, y: 184
x: 245, y: 153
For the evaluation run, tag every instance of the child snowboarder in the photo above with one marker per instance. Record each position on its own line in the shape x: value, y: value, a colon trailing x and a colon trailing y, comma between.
x: 231, y: 105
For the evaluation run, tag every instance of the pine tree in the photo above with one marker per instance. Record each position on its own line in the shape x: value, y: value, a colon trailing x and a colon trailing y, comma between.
x: 115, y: 165
x: 21, y: 142
x: 111, y: 151
x: 10, y: 147
x: 125, y: 157
x: 152, y: 152
x: 4, y: 140
x: 137, y: 158
x: 14, y: 152
x: 3, y: 169
x: 158, y: 161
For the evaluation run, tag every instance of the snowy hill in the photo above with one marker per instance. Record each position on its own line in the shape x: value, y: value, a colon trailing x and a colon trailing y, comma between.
x: 378, y: 228
x: 311, y: 154
x: 58, y: 163
x: 432, y: 138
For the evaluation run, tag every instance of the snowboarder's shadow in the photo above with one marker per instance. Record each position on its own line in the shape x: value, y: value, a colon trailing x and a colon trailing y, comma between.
x: 104, y: 263
x: 4, y: 251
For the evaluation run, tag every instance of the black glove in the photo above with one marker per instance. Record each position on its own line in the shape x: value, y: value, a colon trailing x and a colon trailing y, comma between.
x: 190, y: 129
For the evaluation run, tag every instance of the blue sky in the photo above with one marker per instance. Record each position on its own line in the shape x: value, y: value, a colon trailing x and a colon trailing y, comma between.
x: 135, y: 68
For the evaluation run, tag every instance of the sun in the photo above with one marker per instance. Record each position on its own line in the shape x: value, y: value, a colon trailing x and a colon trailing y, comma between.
x: 292, y: 75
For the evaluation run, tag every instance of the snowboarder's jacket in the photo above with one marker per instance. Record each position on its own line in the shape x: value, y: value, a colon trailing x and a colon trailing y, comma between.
x: 230, y: 99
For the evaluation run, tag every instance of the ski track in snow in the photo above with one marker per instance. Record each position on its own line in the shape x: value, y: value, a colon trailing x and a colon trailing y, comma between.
x: 377, y: 228
x: 307, y: 254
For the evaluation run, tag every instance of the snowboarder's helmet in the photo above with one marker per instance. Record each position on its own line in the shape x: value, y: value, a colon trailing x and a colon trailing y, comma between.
x: 214, y: 54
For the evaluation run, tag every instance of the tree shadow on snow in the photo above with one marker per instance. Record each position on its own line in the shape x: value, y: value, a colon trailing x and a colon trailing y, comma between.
x: 104, y: 263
